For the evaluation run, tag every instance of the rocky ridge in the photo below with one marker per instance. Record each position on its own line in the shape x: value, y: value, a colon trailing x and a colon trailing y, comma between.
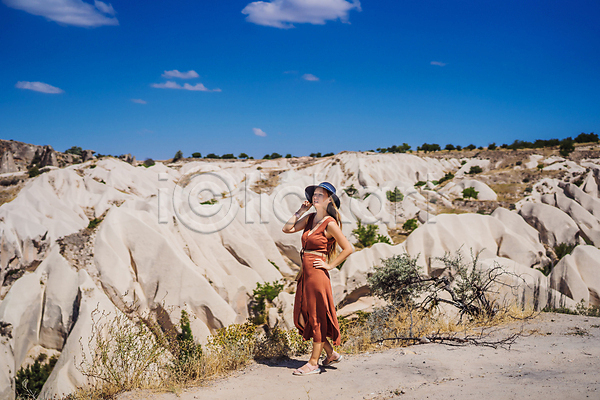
x: 198, y: 236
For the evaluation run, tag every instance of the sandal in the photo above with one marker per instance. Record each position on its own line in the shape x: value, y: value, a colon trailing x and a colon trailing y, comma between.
x: 299, y: 372
x: 337, y: 360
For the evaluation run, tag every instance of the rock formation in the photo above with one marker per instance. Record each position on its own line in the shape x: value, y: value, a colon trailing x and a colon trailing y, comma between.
x: 150, y: 242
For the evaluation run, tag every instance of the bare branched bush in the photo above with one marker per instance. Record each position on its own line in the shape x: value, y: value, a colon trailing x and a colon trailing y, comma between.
x: 470, y: 288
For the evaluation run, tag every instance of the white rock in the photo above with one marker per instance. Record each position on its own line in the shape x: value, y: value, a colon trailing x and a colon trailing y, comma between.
x: 534, y: 160
x: 587, y: 223
x: 554, y: 225
x: 578, y: 275
x: 456, y: 189
x: 483, y: 164
x: 590, y: 186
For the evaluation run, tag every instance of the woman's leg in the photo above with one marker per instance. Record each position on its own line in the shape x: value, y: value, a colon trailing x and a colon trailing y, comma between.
x: 316, y: 352
x: 331, y: 354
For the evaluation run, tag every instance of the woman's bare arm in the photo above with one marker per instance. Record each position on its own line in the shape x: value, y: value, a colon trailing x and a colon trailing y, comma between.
x: 347, y: 249
x: 297, y: 222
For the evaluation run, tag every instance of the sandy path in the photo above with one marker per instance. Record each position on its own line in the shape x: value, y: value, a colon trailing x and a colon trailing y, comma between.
x: 557, y: 361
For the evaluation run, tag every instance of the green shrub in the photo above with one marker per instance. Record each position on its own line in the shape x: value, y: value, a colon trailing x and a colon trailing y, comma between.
x: 395, y: 280
x: 212, y: 156
x: 429, y: 147
x: 566, y: 147
x: 420, y: 183
x: 563, y: 249
x: 263, y: 293
x: 242, y: 155
x: 30, y: 380
x: 148, y: 162
x: 492, y: 146
x: 475, y: 169
x: 197, y: 155
x: 233, y: 346
x: 279, y: 343
x: 178, y: 156
x: 94, y: 223
x: 447, y: 177
x: 34, y: 171
x: 395, y: 195
x: 470, y: 192
x: 351, y: 191
x: 367, y: 235
x: 228, y: 156
x: 187, y: 363
x: 410, y: 225
x: 78, y: 151
x: 587, y: 138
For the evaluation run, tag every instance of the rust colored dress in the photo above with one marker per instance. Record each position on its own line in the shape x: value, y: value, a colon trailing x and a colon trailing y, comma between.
x: 314, y: 297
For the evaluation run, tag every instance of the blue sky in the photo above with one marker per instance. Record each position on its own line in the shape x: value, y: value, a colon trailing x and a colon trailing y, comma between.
x: 306, y: 75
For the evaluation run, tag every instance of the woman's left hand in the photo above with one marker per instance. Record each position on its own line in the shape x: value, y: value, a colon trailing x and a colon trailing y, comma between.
x: 322, y: 264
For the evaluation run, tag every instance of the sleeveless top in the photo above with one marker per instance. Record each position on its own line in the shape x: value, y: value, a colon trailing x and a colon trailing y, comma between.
x: 317, y: 240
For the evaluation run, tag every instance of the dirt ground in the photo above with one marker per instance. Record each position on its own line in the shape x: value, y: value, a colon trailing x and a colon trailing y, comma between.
x: 557, y: 358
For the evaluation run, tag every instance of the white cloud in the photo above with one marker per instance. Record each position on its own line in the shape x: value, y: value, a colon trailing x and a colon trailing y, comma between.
x: 38, y: 87
x: 104, y: 8
x: 68, y: 12
x: 198, y: 87
x: 181, y: 75
x: 259, y: 132
x: 283, y: 13
x: 438, y: 63
x: 310, y: 77
x: 139, y: 101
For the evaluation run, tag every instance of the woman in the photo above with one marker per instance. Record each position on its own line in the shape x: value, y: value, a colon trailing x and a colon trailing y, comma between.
x: 314, y: 309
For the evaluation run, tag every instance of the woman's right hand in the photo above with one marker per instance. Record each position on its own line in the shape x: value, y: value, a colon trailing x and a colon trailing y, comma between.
x: 304, y: 207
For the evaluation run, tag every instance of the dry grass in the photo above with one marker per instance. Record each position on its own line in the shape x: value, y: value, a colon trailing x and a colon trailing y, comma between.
x: 372, y: 331
x: 126, y: 356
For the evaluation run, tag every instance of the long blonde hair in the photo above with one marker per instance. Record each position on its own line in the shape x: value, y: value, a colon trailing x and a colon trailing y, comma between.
x: 333, y: 211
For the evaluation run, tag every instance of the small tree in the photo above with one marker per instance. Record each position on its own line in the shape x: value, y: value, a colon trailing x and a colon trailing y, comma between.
x: 197, y: 155
x: 288, y: 155
x: 410, y: 225
x: 243, y: 155
x: 449, y: 147
x: 492, y: 146
x: 470, y: 192
x: 148, y: 162
x: 178, y: 156
x: 566, y: 147
x: 78, y: 151
x: 395, y: 195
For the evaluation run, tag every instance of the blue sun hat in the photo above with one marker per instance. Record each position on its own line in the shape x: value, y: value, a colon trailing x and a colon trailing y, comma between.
x: 310, y: 190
